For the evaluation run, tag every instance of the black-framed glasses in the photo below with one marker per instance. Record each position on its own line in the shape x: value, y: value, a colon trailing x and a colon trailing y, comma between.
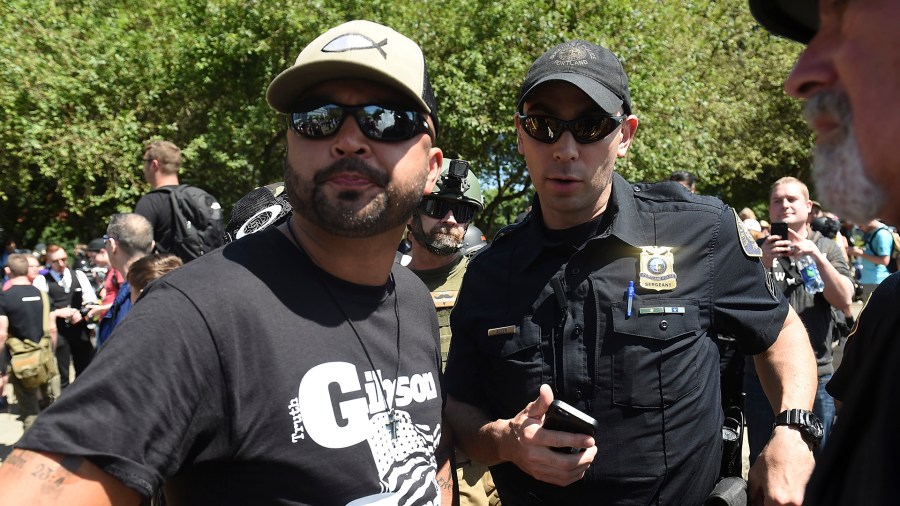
x: 377, y: 122
x: 106, y: 238
x: 437, y: 209
x: 585, y: 130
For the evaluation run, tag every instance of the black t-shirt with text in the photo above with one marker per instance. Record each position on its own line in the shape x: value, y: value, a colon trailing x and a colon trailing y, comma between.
x: 22, y: 305
x: 238, y: 381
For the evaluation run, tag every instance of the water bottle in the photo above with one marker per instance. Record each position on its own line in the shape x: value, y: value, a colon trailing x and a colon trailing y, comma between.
x: 812, y: 280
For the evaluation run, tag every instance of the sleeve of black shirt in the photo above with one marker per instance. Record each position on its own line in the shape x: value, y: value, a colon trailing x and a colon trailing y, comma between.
x: 745, y: 301
x: 876, y: 322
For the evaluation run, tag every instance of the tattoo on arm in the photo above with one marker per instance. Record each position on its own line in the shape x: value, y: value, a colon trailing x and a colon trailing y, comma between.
x: 16, y: 460
x: 50, y: 475
x: 444, y: 483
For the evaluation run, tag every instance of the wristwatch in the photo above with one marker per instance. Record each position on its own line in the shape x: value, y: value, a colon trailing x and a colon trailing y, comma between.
x: 806, y: 422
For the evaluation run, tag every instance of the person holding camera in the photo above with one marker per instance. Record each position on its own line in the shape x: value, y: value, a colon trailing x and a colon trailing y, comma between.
x: 605, y: 297
x: 792, y: 241
x: 70, y: 291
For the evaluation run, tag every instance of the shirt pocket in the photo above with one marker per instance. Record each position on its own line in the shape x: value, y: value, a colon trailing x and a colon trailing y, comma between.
x: 516, y: 364
x: 654, y: 355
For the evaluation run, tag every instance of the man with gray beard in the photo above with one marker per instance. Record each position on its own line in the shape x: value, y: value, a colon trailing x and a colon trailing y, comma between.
x: 849, y: 75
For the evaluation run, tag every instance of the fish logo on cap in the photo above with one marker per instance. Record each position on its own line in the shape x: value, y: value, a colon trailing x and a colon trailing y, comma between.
x: 354, y: 42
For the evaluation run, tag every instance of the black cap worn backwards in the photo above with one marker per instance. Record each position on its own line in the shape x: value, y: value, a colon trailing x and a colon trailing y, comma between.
x: 264, y: 207
x: 592, y: 68
x: 795, y: 19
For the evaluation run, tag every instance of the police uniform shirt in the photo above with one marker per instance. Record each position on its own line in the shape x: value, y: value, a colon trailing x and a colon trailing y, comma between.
x: 551, y: 307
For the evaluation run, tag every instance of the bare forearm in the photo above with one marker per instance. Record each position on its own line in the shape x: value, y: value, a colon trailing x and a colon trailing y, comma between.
x: 445, y: 475
x: 33, y: 478
x: 474, y: 432
x: 787, y: 370
x: 838, y: 288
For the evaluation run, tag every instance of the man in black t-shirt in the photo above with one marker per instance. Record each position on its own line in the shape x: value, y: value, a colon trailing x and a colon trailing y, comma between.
x: 298, y: 365
x: 25, y: 315
x: 162, y: 162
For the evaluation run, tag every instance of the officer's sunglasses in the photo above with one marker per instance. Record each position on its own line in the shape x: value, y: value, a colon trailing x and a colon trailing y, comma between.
x: 437, y: 209
x: 548, y: 129
x: 377, y: 122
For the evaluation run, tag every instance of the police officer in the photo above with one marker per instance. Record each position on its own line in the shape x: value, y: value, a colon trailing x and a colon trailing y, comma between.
x: 436, y: 235
x: 606, y: 297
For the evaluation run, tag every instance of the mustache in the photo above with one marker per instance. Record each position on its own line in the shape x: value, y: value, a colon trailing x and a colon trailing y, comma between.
x: 829, y: 103
x: 352, y: 165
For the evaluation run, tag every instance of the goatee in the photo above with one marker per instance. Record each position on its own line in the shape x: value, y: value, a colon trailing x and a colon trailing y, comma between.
x: 838, y: 171
x: 352, y: 214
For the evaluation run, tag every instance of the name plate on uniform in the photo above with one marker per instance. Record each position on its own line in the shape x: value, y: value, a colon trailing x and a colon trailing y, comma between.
x: 661, y: 310
x: 500, y: 331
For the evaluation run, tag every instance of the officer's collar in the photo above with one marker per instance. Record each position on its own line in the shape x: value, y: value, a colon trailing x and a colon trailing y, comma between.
x: 620, y: 219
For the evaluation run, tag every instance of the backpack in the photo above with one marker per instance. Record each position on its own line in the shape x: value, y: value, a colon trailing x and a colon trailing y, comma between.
x: 197, y: 222
x: 34, y: 364
x: 895, y: 248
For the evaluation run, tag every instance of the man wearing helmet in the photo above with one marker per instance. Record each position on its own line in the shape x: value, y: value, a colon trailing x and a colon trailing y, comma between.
x: 436, y: 234
x: 436, y: 230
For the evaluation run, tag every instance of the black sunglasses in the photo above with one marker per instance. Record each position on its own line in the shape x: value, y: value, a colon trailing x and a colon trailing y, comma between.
x: 437, y: 209
x: 548, y: 129
x: 377, y: 122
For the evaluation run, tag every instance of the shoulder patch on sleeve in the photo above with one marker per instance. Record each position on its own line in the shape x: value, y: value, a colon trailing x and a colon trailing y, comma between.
x: 748, y: 244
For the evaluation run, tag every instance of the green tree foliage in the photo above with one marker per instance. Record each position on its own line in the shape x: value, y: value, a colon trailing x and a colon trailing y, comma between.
x: 84, y: 84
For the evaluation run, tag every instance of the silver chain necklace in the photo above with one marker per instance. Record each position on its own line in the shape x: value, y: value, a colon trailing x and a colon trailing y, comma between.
x: 391, y: 425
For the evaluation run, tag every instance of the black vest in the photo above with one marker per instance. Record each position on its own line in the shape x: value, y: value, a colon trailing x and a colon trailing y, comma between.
x: 59, y: 297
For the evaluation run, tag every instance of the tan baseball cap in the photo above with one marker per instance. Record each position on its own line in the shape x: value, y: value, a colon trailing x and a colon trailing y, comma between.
x: 358, y: 50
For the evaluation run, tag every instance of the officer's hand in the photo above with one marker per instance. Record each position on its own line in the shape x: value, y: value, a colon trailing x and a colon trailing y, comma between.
x: 529, y: 445
x: 780, y: 473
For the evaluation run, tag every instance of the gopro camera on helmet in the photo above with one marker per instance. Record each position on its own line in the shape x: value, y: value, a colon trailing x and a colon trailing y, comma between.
x: 457, y: 185
x: 456, y: 175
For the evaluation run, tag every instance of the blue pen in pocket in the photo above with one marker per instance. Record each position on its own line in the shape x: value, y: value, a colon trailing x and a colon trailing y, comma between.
x: 630, y: 294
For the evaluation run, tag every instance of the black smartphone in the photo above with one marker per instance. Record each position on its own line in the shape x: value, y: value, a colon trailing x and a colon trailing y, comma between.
x: 563, y: 417
x: 780, y: 229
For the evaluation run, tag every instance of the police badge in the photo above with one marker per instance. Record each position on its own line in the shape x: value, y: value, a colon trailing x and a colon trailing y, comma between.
x: 657, y: 268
